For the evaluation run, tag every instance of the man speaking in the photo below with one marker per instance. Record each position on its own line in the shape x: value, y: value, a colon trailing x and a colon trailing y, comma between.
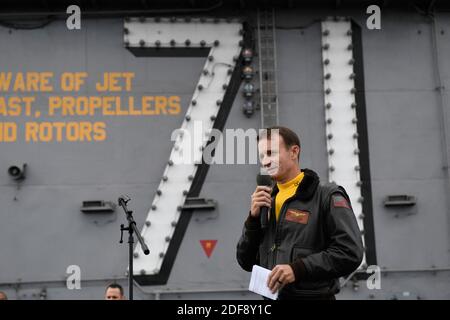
x: 310, y: 236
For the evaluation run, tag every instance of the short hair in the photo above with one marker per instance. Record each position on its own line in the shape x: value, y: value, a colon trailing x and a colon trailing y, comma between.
x: 115, y: 286
x: 3, y: 296
x: 290, y: 138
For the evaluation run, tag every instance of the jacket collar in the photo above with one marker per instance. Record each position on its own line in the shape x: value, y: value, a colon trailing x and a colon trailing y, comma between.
x: 306, y: 188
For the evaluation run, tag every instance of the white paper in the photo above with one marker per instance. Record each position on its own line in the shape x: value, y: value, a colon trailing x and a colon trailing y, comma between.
x: 258, y: 282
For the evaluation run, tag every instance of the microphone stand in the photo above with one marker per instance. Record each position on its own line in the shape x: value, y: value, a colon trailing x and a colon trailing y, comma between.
x: 131, y: 228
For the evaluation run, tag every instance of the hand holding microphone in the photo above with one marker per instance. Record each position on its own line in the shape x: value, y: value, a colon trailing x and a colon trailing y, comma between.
x: 261, y: 198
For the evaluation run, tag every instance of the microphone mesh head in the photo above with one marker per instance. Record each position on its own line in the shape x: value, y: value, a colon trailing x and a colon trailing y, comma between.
x: 263, y: 180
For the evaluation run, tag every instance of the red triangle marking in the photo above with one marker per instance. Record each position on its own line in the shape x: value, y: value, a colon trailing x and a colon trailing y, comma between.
x: 208, y: 246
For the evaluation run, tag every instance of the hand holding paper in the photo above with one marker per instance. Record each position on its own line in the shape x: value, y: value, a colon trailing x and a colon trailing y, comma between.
x: 258, y: 282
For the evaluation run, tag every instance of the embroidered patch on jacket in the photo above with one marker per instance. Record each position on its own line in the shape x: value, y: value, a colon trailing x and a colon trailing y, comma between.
x: 340, y: 202
x: 298, y: 216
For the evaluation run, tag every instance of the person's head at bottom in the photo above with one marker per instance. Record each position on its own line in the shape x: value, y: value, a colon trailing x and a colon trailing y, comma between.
x: 114, y: 292
x: 3, y: 296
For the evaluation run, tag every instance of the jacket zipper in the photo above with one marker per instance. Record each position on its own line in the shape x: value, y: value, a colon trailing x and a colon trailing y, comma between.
x: 276, y: 244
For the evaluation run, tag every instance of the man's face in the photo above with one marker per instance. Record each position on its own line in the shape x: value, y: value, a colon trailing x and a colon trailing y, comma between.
x: 113, y: 294
x: 275, y: 158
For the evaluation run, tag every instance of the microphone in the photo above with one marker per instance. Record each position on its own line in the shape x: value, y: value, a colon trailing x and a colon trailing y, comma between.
x: 123, y: 199
x: 263, y: 180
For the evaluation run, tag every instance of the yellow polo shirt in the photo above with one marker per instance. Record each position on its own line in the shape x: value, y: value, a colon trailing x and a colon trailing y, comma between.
x: 285, y: 191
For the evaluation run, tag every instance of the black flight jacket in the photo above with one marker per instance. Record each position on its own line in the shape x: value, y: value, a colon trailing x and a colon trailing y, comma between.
x: 316, y: 234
